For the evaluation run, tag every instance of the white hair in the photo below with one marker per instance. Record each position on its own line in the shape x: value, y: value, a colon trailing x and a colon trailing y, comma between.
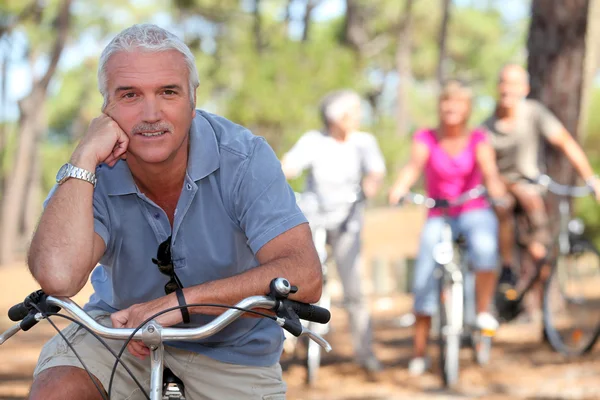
x: 336, y: 104
x: 149, y: 38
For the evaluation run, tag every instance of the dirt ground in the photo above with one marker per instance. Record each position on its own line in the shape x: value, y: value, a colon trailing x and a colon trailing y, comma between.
x: 521, y: 367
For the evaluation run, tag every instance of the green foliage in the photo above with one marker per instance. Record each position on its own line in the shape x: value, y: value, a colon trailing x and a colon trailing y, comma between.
x: 274, y: 89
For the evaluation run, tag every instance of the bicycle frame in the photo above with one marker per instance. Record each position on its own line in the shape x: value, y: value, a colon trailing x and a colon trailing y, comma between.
x: 154, y: 335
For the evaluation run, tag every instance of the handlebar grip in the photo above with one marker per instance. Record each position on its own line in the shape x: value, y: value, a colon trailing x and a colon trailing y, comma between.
x: 18, y: 312
x: 29, y: 322
x: 309, y: 312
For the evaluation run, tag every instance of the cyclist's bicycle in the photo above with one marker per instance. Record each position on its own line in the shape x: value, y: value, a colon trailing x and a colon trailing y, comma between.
x: 316, y: 214
x: 39, y: 306
x: 571, y: 301
x: 456, y: 286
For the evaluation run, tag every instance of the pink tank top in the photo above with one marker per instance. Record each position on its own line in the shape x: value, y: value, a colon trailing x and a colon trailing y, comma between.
x: 447, y: 177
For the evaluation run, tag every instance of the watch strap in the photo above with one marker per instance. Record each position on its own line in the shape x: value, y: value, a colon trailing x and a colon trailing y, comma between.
x: 80, y: 173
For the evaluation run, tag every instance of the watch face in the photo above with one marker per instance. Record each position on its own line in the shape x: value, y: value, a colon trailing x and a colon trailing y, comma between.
x: 62, y: 172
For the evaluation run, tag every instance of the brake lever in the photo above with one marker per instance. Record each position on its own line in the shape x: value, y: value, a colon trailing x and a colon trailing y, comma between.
x: 10, y: 332
x: 317, y: 338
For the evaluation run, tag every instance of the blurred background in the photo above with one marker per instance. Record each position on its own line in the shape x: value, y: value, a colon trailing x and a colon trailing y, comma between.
x: 265, y: 64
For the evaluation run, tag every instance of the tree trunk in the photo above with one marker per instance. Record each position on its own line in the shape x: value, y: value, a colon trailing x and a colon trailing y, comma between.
x: 556, y: 64
x: 257, y: 27
x: 355, y: 34
x: 441, y: 68
x: 287, y: 17
x: 3, y: 125
x: 17, y: 180
x: 591, y: 66
x: 310, y: 6
x: 32, y: 125
x: 403, y: 50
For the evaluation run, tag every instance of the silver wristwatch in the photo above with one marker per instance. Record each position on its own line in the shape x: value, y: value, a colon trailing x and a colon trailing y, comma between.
x: 70, y: 171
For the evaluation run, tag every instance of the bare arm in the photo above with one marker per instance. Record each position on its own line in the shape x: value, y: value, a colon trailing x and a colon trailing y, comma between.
x: 372, y: 183
x: 573, y: 151
x: 486, y: 160
x: 410, y: 173
x: 65, y: 248
x: 289, y: 171
x: 291, y: 255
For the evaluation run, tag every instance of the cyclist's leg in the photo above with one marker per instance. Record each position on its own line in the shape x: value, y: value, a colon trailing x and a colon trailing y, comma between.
x: 480, y: 227
x: 532, y: 202
x: 59, y: 375
x: 530, y: 199
x: 425, y: 285
x: 346, y: 247
x: 506, y: 236
x: 207, y: 379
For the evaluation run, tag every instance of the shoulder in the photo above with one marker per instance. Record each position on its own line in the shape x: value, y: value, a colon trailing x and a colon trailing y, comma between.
x: 478, y: 135
x: 232, y: 139
x: 534, y: 107
x: 364, y: 138
x: 312, y: 137
x: 426, y: 136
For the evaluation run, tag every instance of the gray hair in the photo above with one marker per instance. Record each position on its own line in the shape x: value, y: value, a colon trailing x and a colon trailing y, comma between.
x: 335, y: 104
x: 150, y: 38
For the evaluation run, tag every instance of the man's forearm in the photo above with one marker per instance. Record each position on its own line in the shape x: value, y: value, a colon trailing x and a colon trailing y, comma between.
x: 306, y: 276
x: 578, y: 159
x: 61, y: 252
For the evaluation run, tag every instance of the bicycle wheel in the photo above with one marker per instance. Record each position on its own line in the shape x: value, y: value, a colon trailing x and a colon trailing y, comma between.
x: 571, y: 300
x: 449, y: 336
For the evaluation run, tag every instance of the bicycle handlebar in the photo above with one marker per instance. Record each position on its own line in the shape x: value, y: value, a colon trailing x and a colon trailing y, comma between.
x: 279, y: 305
x: 430, y: 202
x: 559, y: 189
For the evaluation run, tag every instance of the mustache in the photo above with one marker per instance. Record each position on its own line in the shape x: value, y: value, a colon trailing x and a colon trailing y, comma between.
x: 155, y: 127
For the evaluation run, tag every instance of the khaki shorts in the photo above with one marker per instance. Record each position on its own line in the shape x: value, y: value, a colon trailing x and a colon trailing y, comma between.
x: 203, y: 377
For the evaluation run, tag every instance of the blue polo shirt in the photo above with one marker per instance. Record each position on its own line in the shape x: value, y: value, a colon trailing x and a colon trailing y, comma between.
x: 234, y: 200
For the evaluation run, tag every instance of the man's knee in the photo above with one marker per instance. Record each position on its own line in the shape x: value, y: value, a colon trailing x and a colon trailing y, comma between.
x: 64, y: 383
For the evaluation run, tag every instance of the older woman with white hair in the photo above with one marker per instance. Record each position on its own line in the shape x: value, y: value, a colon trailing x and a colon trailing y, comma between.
x: 342, y: 163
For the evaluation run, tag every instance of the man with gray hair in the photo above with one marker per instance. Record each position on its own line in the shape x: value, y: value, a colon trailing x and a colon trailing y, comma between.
x: 154, y: 172
x: 343, y: 165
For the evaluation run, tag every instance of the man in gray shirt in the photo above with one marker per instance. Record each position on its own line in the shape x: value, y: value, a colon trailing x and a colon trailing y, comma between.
x: 342, y: 163
x: 516, y: 130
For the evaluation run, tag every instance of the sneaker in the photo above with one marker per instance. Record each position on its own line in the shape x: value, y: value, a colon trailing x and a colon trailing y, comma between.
x: 419, y: 365
x: 486, y: 322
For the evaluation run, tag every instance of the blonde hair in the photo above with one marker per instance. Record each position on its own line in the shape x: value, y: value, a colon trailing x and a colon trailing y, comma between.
x: 454, y: 89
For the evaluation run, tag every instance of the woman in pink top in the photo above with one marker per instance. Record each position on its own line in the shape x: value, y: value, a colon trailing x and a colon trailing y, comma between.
x: 454, y: 159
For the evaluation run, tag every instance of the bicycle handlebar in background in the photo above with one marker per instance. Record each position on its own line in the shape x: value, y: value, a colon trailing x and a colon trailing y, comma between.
x: 559, y: 189
x: 431, y: 203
